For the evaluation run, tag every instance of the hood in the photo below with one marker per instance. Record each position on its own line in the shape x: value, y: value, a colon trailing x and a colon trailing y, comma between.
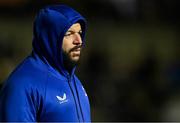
x: 50, y: 26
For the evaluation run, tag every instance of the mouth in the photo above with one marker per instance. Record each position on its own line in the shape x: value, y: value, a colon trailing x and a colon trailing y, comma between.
x: 76, y: 52
x: 76, y: 49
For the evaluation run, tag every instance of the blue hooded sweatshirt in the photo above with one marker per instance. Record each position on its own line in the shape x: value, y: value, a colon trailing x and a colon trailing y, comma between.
x: 40, y: 89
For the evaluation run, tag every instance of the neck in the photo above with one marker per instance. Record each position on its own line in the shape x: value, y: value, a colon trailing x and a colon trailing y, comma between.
x: 68, y: 63
x: 69, y: 69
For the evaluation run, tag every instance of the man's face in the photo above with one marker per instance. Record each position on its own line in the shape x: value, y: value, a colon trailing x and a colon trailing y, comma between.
x: 72, y: 44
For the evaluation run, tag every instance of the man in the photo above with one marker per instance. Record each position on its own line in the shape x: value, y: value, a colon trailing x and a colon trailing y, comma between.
x: 44, y: 88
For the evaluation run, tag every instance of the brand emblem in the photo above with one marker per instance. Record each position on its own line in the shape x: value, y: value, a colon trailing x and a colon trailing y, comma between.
x: 62, y: 99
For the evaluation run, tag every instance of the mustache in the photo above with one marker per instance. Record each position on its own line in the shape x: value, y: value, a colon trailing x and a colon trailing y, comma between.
x: 76, y: 47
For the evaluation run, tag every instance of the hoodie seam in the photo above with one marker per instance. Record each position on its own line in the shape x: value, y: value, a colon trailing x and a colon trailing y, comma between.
x: 44, y: 94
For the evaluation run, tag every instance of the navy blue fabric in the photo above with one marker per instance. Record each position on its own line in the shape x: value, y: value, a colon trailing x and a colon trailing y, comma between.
x: 40, y: 88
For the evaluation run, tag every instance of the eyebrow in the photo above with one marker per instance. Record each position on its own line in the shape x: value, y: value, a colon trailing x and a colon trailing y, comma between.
x: 73, y: 31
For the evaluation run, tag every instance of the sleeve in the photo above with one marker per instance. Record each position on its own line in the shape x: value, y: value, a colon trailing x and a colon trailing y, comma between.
x: 17, y: 104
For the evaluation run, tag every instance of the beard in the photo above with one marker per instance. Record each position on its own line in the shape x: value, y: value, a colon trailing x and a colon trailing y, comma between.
x: 71, y: 59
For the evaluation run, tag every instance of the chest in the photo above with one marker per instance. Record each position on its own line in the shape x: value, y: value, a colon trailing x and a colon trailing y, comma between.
x: 65, y: 101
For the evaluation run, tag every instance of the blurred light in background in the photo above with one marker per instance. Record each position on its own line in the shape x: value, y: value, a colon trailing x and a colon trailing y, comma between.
x: 12, y: 3
x: 131, y: 62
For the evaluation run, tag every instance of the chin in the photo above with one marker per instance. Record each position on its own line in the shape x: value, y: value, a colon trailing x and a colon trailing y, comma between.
x: 71, y: 59
x: 75, y: 59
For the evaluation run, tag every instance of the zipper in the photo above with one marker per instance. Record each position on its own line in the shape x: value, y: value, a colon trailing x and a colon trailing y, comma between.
x: 69, y: 80
x: 79, y: 100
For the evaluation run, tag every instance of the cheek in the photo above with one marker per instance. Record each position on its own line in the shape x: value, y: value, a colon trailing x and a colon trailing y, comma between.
x: 66, y: 48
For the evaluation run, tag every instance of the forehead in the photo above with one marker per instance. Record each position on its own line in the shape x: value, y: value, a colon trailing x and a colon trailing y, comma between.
x: 75, y: 27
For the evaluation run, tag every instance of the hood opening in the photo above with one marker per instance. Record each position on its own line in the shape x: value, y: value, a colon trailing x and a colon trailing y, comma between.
x: 50, y: 26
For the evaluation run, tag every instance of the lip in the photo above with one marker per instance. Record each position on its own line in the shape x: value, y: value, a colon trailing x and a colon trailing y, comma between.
x: 76, y: 53
x: 77, y: 50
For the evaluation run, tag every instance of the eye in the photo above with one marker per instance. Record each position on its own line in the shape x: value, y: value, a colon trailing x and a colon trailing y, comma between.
x: 69, y: 33
x: 80, y: 32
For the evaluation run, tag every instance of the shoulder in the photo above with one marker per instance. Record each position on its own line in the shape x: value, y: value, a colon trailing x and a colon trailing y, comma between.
x: 26, y: 77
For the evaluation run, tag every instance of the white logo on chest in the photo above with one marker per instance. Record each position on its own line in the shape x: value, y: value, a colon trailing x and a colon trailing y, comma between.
x: 62, y: 99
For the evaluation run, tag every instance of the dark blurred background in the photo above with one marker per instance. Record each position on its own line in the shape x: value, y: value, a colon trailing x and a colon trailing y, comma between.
x: 131, y: 62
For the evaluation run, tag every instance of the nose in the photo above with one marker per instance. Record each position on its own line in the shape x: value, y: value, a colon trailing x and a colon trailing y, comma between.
x: 77, y: 39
